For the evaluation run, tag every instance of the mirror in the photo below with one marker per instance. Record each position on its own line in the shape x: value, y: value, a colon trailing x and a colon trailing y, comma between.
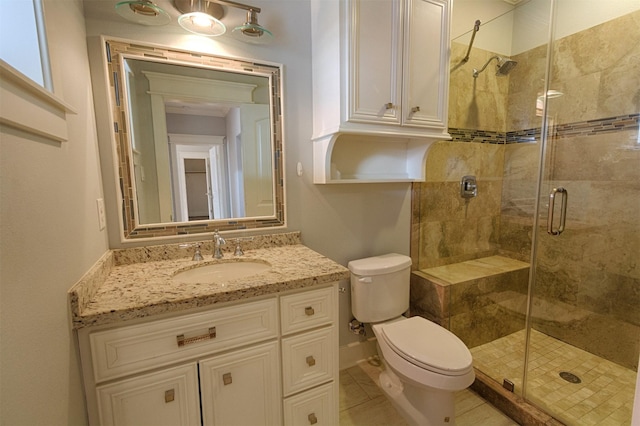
x: 199, y: 141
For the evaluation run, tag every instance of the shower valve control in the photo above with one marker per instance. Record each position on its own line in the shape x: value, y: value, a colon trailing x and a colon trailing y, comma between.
x: 468, y: 187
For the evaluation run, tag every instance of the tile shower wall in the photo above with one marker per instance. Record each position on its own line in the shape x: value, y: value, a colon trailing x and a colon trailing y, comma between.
x: 454, y: 229
x: 594, y: 150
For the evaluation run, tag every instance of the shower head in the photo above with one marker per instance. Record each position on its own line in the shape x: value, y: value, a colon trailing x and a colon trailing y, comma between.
x: 504, y: 67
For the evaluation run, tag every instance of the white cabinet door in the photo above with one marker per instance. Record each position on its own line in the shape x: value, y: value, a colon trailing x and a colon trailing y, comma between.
x: 426, y: 68
x: 169, y: 397
x: 242, y: 387
x: 314, y: 407
x: 399, y: 62
x: 376, y: 58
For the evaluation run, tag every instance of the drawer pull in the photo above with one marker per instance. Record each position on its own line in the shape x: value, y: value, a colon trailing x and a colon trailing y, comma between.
x: 311, y: 361
x: 309, y: 311
x: 312, y: 419
x: 388, y: 105
x: 169, y: 395
x: 415, y: 109
x: 226, y: 379
x: 182, y: 341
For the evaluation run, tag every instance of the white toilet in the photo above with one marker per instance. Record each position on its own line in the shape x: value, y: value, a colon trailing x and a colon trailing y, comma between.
x: 425, y: 363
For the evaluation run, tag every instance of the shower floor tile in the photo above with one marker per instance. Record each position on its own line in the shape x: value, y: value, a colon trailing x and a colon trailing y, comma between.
x: 604, y: 396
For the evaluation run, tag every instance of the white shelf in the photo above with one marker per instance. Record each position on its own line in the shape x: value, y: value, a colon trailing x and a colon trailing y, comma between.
x: 370, y: 158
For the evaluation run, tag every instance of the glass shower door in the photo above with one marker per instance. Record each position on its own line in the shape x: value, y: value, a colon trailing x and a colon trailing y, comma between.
x: 584, y: 313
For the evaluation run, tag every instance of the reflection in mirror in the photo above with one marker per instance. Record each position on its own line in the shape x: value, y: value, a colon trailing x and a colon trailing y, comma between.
x: 200, y: 141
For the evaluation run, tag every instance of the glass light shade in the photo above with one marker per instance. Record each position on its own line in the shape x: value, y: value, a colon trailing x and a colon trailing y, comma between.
x: 251, y: 31
x: 202, y: 24
x: 142, y: 12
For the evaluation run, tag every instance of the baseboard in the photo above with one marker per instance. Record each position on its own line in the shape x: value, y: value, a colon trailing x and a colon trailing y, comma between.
x: 353, y: 352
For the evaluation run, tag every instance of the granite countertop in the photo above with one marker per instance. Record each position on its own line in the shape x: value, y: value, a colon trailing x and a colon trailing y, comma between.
x: 113, y: 293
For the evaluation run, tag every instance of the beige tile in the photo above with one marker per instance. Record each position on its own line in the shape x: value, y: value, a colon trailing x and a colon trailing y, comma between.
x: 606, y: 391
x: 467, y: 400
x: 484, y: 414
x: 378, y: 411
x: 351, y: 394
x: 365, y: 377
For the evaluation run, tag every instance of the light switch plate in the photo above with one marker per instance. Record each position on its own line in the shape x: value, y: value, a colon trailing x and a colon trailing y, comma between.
x: 102, y: 221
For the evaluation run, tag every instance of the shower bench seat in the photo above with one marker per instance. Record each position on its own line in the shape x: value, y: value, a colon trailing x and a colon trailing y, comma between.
x: 479, y: 300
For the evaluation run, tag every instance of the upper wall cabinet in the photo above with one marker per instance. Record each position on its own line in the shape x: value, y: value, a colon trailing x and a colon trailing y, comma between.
x: 380, y: 87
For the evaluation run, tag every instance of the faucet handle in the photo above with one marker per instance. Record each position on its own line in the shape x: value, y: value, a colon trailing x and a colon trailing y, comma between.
x: 197, y: 255
x: 238, y: 251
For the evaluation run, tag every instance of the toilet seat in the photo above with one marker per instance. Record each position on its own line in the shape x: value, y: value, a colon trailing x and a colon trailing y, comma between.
x: 428, y: 345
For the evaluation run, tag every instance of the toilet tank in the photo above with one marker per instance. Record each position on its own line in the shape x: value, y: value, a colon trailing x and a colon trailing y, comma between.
x: 380, y: 287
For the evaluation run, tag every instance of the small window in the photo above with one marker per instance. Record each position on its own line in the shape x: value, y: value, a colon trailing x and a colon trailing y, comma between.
x: 27, y: 99
x: 23, y: 43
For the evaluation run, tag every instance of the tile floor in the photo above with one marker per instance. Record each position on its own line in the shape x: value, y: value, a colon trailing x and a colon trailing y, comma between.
x: 362, y: 402
x: 604, y: 396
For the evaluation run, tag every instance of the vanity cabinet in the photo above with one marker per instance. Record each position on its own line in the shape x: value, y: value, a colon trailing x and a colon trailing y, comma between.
x: 380, y: 92
x: 239, y: 364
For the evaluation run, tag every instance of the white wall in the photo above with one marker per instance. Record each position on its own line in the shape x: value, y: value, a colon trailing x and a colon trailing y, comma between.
x: 527, y: 27
x: 49, y: 237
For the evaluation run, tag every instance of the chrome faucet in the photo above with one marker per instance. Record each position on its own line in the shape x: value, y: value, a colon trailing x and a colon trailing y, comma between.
x: 218, y: 242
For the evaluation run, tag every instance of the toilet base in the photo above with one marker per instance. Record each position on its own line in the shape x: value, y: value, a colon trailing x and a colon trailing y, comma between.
x: 420, y: 406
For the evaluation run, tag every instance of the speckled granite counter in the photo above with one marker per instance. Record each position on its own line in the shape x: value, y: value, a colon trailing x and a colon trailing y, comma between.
x: 116, y: 289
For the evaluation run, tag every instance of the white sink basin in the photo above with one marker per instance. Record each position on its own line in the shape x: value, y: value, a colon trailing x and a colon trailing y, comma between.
x: 221, y: 272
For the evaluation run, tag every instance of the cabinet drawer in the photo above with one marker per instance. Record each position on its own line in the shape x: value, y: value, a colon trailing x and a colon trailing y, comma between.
x: 125, y: 350
x: 169, y: 397
x: 308, y: 359
x: 302, y: 311
x: 317, y: 406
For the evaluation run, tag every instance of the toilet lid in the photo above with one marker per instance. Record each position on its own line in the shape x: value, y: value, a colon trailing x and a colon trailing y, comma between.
x: 428, y: 345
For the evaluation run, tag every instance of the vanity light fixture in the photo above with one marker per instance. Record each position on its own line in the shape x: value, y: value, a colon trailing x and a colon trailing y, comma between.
x: 143, y: 12
x: 210, y: 12
x: 201, y: 17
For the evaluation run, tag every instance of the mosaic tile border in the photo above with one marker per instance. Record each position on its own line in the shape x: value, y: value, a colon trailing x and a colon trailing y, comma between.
x: 581, y: 128
x: 477, y: 136
x: 115, y: 48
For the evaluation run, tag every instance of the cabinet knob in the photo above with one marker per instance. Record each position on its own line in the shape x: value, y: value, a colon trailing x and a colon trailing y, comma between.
x: 169, y: 395
x: 388, y: 105
x: 311, y: 361
x: 415, y: 109
x: 226, y: 379
x: 309, y: 311
x: 312, y: 419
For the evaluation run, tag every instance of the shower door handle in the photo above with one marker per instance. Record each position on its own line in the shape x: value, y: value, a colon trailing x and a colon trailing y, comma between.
x: 563, y: 210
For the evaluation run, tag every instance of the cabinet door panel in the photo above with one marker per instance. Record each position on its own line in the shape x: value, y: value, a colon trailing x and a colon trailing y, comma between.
x: 169, y: 398
x: 308, y: 360
x: 314, y: 407
x: 376, y: 55
x: 242, y: 387
x: 426, y: 73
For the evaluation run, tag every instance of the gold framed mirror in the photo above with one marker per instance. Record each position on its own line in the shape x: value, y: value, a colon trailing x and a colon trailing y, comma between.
x: 198, y: 139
